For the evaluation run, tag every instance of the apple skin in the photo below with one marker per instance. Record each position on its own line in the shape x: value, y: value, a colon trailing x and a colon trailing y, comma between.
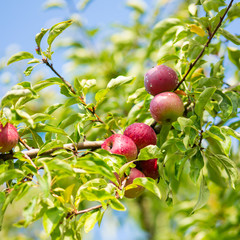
x: 166, y: 107
x: 149, y: 168
x: 137, y: 191
x: 122, y: 145
x: 142, y: 135
x: 159, y: 79
x: 8, y: 137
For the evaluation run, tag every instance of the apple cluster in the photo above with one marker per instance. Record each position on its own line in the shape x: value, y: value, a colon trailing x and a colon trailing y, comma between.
x: 135, y: 137
x: 165, y: 107
x: 8, y: 137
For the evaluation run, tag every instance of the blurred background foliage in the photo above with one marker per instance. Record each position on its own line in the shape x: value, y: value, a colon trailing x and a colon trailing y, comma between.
x: 92, y: 57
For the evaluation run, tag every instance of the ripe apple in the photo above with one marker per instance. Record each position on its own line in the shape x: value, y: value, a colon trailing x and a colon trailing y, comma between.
x: 122, y: 145
x: 166, y: 107
x: 136, y: 191
x: 133, y: 192
x: 160, y: 79
x: 142, y: 135
x: 149, y: 168
x: 8, y: 137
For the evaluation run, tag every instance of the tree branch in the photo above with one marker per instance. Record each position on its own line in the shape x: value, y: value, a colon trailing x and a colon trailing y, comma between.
x: 24, y: 144
x: 70, y: 146
x: 205, y: 46
x: 75, y: 212
x: 91, y: 110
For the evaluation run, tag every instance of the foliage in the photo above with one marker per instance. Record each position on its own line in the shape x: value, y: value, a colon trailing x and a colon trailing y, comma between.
x: 197, y: 163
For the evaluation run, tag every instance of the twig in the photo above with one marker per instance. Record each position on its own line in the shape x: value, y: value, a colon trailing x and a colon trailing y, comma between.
x: 70, y: 146
x: 75, y: 212
x: 201, y: 138
x: 24, y: 144
x: 91, y: 110
x: 230, y: 88
x: 205, y: 46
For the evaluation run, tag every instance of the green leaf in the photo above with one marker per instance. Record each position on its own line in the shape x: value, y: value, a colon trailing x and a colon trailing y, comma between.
x: 19, y: 56
x: 35, y: 60
x: 120, y: 80
x: 234, y: 11
x: 55, y: 31
x: 138, y: 95
x: 50, y: 145
x: 28, y: 71
x: 125, y: 167
x: 149, y: 184
x: 161, y: 27
x: 225, y: 104
x: 229, y: 36
x: 38, y: 117
x: 138, y: 5
x: 228, y: 164
x: 150, y: 152
x: 91, y: 220
x: 215, y: 175
x: 234, y: 56
x: 231, y: 132
x: 39, y: 36
x: 71, y: 120
x: 163, y: 134
x: 10, y: 174
x: 41, y: 127
x: 100, y: 95
x: 212, y: 4
x: 203, y: 100
x: 166, y: 58
x: 45, y: 83
x: 215, y: 132
x: 93, y: 163
x: 52, y: 218
x: 203, y: 196
x: 13, y: 95
x: 117, y: 205
x: 196, y: 165
x: 2, y: 210
x: 24, y: 115
x: 101, y: 195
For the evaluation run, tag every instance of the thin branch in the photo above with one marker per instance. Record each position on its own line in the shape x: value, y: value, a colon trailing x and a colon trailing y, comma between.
x: 24, y: 144
x: 230, y: 88
x: 91, y: 110
x: 70, y: 146
x: 205, y: 46
x: 75, y: 212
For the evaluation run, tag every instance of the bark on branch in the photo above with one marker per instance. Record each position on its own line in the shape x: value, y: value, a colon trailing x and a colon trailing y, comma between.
x: 70, y: 146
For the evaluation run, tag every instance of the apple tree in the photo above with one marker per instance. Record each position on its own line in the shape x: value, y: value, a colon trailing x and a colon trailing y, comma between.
x: 152, y: 115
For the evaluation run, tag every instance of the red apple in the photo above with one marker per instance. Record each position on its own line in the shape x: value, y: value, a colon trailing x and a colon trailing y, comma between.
x: 137, y: 191
x: 142, y: 135
x: 166, y: 107
x: 160, y: 79
x: 149, y: 168
x: 8, y: 137
x: 122, y: 145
